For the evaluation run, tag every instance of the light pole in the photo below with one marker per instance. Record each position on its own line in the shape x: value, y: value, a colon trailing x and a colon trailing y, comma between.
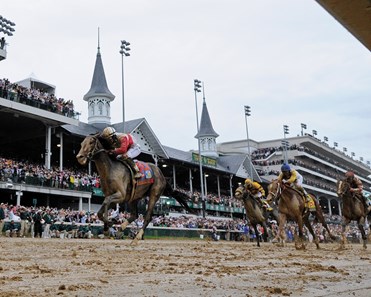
x: 124, y: 49
x: 197, y: 89
x: 314, y: 132
x: 247, y: 114
x: 303, y: 126
x: 285, y: 142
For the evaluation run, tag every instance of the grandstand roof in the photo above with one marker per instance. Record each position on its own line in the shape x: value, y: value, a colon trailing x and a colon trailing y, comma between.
x: 35, y: 83
x: 354, y: 15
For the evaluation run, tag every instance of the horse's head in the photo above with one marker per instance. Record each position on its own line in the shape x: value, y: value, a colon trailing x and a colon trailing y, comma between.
x: 274, y: 190
x: 342, y: 187
x: 239, y: 192
x: 90, y: 146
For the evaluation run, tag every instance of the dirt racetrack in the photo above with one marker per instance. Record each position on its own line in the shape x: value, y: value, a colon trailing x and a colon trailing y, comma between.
x: 74, y: 267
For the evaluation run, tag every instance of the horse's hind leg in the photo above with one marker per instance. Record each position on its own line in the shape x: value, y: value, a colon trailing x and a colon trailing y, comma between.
x: 310, y: 228
x: 256, y: 234
x: 321, y: 219
x: 363, y: 233
x: 147, y: 219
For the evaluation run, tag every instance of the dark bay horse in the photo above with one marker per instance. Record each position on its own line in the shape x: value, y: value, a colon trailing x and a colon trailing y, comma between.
x: 254, y: 212
x: 117, y: 183
x: 291, y: 205
x: 352, y: 209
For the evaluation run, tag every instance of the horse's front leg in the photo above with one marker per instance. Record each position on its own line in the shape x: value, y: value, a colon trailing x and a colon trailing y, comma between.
x: 343, y: 236
x: 363, y: 233
x: 301, y: 244
x: 103, y: 211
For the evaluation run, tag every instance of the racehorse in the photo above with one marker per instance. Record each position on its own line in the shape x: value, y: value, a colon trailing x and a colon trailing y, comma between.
x: 291, y: 205
x: 255, y: 213
x: 118, y: 185
x: 353, y: 209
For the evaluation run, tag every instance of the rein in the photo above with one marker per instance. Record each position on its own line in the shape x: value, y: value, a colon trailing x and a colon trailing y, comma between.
x: 95, y: 151
x: 277, y: 193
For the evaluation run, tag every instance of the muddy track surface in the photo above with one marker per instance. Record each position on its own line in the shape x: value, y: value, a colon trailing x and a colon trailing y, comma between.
x: 73, y: 267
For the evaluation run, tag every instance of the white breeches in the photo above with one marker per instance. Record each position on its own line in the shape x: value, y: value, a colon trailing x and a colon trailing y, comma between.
x: 134, y: 151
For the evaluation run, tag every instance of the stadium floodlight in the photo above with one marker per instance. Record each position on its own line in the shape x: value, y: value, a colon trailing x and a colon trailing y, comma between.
x: 335, y: 144
x: 303, y: 126
x: 124, y: 49
x: 197, y: 88
x: 6, y: 26
x: 285, y: 143
x: 247, y: 114
x: 314, y: 132
x: 325, y: 138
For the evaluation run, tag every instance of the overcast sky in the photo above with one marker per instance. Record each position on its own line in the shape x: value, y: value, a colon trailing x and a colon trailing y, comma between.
x: 289, y: 60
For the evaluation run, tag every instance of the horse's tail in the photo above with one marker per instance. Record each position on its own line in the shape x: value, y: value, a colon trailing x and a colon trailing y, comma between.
x: 178, y: 196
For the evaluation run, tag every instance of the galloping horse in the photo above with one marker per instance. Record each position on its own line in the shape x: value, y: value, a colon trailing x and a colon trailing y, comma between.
x: 291, y: 204
x: 118, y: 184
x: 254, y: 212
x: 352, y: 210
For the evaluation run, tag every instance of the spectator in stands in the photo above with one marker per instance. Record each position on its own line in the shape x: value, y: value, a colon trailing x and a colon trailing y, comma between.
x: 356, y: 187
x: 11, y: 229
x: 48, y: 221
x: 257, y: 191
x: 73, y: 230
x: 293, y: 179
x: 2, y: 217
x: 62, y: 230
x: 38, y: 228
x: 85, y: 231
x: 123, y: 147
x: 25, y: 221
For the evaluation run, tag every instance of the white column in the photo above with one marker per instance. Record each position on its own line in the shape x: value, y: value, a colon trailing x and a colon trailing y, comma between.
x: 80, y: 203
x: 329, y: 207
x: 218, y: 184
x: 190, y: 181
x: 61, y: 151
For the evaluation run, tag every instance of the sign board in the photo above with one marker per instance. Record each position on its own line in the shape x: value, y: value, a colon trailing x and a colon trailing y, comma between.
x: 204, y: 160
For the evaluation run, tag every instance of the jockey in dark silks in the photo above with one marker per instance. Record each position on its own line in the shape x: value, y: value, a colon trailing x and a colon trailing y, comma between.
x: 356, y: 187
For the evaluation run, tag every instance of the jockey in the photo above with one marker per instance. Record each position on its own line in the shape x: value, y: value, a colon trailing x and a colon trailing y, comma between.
x: 257, y: 191
x: 293, y: 178
x: 356, y: 187
x: 124, y: 147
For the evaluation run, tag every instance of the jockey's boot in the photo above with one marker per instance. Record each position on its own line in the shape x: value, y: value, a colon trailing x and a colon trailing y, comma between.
x: 365, y: 204
x: 137, y: 173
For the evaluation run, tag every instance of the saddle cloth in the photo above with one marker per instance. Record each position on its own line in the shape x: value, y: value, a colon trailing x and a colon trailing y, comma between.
x: 310, y: 204
x: 147, y: 173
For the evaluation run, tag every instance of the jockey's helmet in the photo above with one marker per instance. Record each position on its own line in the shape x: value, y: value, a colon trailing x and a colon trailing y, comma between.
x: 248, y: 181
x: 109, y: 133
x: 349, y: 174
x: 285, y: 168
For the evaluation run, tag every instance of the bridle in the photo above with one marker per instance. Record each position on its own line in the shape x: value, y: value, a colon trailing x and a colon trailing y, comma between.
x: 277, y: 193
x: 344, y: 186
x: 95, y: 151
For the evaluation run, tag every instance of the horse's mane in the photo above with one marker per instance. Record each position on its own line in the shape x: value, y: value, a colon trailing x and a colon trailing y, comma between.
x: 104, y: 142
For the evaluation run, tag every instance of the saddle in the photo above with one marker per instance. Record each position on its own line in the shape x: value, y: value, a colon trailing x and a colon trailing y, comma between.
x: 308, y: 199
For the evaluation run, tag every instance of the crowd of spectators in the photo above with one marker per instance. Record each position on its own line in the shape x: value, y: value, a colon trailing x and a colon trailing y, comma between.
x: 261, y: 157
x: 36, y: 98
x: 23, y: 171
